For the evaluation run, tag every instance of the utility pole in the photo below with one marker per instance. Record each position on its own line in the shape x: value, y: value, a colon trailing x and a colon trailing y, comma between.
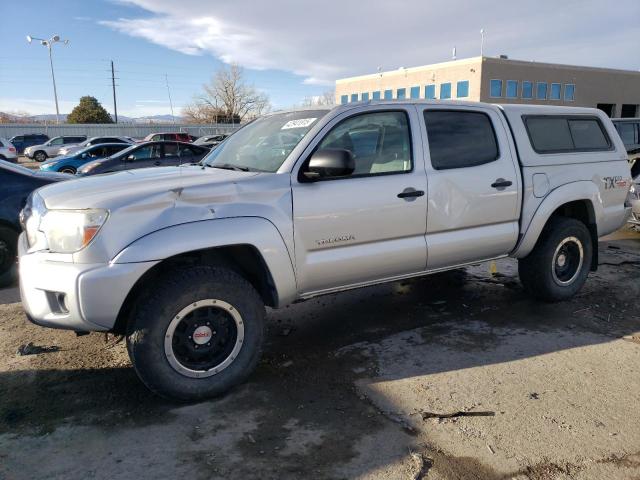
x: 113, y: 85
x: 166, y: 79
x: 482, y: 42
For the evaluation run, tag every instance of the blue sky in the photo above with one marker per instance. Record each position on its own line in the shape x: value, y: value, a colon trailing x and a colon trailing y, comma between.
x: 82, y: 67
x: 290, y: 49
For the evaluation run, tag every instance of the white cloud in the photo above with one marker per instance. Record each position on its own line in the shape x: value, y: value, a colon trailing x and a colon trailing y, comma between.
x: 322, y: 41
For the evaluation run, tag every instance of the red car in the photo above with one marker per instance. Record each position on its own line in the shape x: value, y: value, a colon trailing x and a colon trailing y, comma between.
x: 175, y: 136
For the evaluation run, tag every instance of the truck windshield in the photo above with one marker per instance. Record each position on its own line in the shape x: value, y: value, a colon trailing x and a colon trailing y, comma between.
x: 264, y: 144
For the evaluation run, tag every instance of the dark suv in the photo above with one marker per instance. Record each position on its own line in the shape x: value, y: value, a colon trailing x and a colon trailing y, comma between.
x: 27, y: 140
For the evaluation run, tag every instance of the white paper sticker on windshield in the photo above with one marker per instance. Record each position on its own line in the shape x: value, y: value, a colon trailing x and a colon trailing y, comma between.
x: 300, y: 123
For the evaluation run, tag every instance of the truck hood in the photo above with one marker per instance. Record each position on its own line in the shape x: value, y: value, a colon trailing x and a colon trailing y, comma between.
x: 114, y: 190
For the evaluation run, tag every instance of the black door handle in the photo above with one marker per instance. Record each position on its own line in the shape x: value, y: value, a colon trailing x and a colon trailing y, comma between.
x: 410, y: 193
x: 501, y: 183
x: 157, y: 163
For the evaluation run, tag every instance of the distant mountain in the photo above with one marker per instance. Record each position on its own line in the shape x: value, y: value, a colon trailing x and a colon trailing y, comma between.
x: 49, y: 117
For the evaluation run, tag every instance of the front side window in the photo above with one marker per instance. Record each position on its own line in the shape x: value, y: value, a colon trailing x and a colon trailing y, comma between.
x: 445, y: 91
x: 512, y: 89
x: 541, y: 90
x: 146, y: 152
x: 430, y: 92
x: 569, y: 92
x: 57, y: 141
x: 344, y: 99
x: 380, y: 142
x: 265, y: 143
x: 415, y: 92
x: 555, y: 134
x: 401, y: 93
x: 554, y: 93
x: 462, y: 89
x: 495, y: 88
x: 388, y: 94
x: 459, y: 139
x: 527, y: 89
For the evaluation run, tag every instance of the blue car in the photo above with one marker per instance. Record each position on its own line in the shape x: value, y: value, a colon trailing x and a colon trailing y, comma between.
x: 71, y: 163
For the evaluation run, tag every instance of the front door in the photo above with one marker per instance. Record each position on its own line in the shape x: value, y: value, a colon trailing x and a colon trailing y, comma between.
x: 370, y: 225
x: 149, y: 155
x: 474, y: 200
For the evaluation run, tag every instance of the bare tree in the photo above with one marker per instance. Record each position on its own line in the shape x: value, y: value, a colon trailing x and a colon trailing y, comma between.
x: 227, y: 99
x: 327, y: 98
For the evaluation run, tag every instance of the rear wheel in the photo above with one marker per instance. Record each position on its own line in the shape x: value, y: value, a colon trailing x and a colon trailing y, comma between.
x: 558, y: 266
x: 70, y: 170
x: 8, y: 248
x: 197, y: 333
x: 40, y: 156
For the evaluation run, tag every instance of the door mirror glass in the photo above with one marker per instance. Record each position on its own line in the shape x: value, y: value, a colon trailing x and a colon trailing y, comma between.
x: 330, y: 163
x: 84, y: 155
x: 130, y: 158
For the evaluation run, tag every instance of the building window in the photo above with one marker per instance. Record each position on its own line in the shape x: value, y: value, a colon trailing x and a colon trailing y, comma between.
x: 430, y: 92
x: 512, y: 89
x: 401, y: 93
x: 541, y: 90
x: 415, y: 92
x: 569, y: 92
x: 376, y: 95
x: 344, y: 99
x: 388, y: 94
x: 554, y: 94
x: 527, y: 89
x: 354, y: 97
x: 365, y: 97
x: 445, y: 91
x: 495, y: 90
x: 462, y: 89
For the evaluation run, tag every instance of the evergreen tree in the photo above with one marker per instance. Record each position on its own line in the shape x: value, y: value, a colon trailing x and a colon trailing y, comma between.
x: 89, y: 110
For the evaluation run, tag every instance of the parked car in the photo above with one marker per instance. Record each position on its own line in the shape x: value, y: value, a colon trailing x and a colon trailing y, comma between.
x: 8, y: 151
x: 28, y: 139
x: 366, y: 193
x: 71, y: 163
x: 629, y: 130
x: 178, y: 136
x: 95, y: 141
x: 17, y: 183
x: 211, y: 140
x: 149, y: 154
x: 52, y: 148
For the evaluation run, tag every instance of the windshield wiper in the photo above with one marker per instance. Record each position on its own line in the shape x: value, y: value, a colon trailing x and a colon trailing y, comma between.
x: 228, y: 166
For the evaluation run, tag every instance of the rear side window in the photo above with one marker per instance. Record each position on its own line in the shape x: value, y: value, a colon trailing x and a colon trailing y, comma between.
x: 556, y: 134
x: 459, y: 139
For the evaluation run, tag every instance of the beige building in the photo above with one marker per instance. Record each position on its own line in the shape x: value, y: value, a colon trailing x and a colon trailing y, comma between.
x: 502, y: 80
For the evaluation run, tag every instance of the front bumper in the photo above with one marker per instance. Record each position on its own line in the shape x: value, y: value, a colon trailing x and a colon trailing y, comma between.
x: 80, y: 297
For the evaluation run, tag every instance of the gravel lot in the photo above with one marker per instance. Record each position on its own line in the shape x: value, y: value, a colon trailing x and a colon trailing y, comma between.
x: 453, y: 376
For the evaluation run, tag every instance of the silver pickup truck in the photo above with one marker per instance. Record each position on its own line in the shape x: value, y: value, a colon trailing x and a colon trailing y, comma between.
x: 183, y: 260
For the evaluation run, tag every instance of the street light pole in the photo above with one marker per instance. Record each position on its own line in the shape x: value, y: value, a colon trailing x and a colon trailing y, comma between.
x: 49, y: 44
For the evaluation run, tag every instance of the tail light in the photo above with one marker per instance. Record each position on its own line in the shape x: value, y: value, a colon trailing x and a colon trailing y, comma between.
x: 12, y: 149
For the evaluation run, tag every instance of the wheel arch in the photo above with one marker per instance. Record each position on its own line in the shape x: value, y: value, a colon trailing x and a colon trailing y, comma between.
x: 578, y: 200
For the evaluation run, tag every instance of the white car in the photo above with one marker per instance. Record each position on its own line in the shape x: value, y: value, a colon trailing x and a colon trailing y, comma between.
x: 8, y: 151
x: 52, y: 148
x: 69, y: 149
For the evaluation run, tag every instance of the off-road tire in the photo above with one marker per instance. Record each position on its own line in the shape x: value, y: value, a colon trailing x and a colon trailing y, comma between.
x: 8, y: 251
x: 165, y: 299
x: 40, y: 156
x: 536, y: 269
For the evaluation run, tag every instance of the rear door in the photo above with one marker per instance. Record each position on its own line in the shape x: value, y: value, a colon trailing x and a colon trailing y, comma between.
x: 474, y: 185
x: 171, y: 154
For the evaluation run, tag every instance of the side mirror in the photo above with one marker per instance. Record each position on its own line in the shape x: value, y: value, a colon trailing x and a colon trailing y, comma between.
x: 330, y: 163
x: 84, y: 155
x: 130, y: 158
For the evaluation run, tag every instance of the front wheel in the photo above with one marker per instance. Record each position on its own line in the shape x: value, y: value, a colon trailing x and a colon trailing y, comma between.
x: 196, y: 333
x: 558, y: 266
x: 40, y: 156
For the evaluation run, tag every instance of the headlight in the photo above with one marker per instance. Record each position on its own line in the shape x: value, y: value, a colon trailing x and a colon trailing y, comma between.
x: 634, y: 191
x: 68, y: 231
